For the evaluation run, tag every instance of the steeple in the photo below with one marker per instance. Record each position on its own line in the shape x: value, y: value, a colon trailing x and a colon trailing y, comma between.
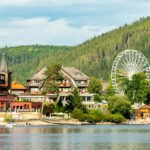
x: 3, y: 65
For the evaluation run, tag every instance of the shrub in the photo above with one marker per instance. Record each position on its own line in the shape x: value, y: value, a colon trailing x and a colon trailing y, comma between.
x: 8, y: 119
x: 115, y: 118
x: 95, y: 112
x: 106, y: 117
x: 48, y: 108
x: 95, y: 86
x: 92, y: 118
x: 58, y: 108
x: 77, y: 114
x: 97, y: 98
x: 25, y: 100
x: 120, y: 104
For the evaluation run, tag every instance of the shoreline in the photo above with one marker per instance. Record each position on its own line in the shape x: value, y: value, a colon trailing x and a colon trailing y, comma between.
x: 64, y: 122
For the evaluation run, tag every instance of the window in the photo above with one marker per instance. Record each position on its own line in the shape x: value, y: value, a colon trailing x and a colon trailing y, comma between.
x: 36, y: 81
x: 2, y: 106
x: 83, y: 98
x: 34, y: 89
x: 88, y: 98
x: 65, y: 89
x: 2, y: 77
x: 67, y: 81
x: 21, y: 107
x: 82, y: 82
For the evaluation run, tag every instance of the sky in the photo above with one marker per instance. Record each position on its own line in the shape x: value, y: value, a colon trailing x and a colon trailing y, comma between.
x: 64, y: 22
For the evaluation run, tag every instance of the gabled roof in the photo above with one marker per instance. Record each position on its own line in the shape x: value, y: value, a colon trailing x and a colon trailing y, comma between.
x: 40, y: 75
x: 3, y: 65
x: 17, y: 86
x: 75, y: 73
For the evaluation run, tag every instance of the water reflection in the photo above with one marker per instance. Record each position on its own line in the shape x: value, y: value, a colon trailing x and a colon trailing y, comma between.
x: 115, y: 137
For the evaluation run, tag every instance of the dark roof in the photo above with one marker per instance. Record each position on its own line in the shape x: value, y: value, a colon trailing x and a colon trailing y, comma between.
x: 40, y: 75
x: 75, y: 73
x: 3, y: 65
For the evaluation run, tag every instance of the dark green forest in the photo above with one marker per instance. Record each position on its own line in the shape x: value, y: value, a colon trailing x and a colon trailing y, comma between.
x: 94, y: 57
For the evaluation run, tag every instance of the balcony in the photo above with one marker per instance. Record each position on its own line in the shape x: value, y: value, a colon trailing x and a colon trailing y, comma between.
x: 3, y: 85
x: 63, y: 84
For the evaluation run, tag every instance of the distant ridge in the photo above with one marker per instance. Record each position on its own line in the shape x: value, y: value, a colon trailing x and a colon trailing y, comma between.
x: 94, y: 57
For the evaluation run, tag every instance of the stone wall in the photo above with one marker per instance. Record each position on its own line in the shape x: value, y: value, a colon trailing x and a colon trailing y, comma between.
x: 20, y: 115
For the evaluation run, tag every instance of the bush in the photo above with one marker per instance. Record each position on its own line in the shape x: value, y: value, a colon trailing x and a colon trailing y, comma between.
x: 8, y: 119
x: 115, y: 118
x: 95, y: 112
x: 95, y: 86
x: 59, y: 108
x: 120, y: 104
x: 48, y: 108
x: 25, y: 100
x: 106, y: 117
x: 97, y: 98
x: 95, y: 116
x: 92, y: 118
x: 77, y: 114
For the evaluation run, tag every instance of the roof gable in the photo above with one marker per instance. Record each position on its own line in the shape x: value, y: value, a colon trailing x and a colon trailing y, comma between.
x: 40, y: 75
x: 75, y: 73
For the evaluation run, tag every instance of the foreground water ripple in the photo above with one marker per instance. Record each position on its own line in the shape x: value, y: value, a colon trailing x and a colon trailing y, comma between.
x: 109, y: 137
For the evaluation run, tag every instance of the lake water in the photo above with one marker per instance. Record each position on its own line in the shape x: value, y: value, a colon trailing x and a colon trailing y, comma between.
x: 109, y: 137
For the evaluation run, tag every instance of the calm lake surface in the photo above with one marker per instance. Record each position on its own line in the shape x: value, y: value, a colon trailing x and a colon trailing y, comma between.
x: 109, y: 137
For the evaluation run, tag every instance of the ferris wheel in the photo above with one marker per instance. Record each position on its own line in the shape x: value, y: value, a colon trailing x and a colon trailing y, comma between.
x: 126, y: 64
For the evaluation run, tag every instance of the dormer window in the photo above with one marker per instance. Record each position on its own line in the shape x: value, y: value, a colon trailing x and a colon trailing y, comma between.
x: 36, y: 81
x: 2, y: 79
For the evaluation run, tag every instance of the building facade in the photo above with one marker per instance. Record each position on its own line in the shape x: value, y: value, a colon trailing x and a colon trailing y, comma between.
x: 5, y: 84
x: 72, y: 78
x: 10, y: 92
x: 17, y: 88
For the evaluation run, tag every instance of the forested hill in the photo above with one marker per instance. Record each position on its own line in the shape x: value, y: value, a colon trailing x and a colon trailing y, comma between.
x: 94, y: 57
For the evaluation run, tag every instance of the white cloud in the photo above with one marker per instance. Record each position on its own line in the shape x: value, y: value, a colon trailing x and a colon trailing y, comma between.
x: 14, y: 2
x: 46, y: 31
x: 50, y: 3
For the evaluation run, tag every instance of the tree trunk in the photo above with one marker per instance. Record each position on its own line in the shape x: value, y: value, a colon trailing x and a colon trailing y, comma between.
x: 134, y: 92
